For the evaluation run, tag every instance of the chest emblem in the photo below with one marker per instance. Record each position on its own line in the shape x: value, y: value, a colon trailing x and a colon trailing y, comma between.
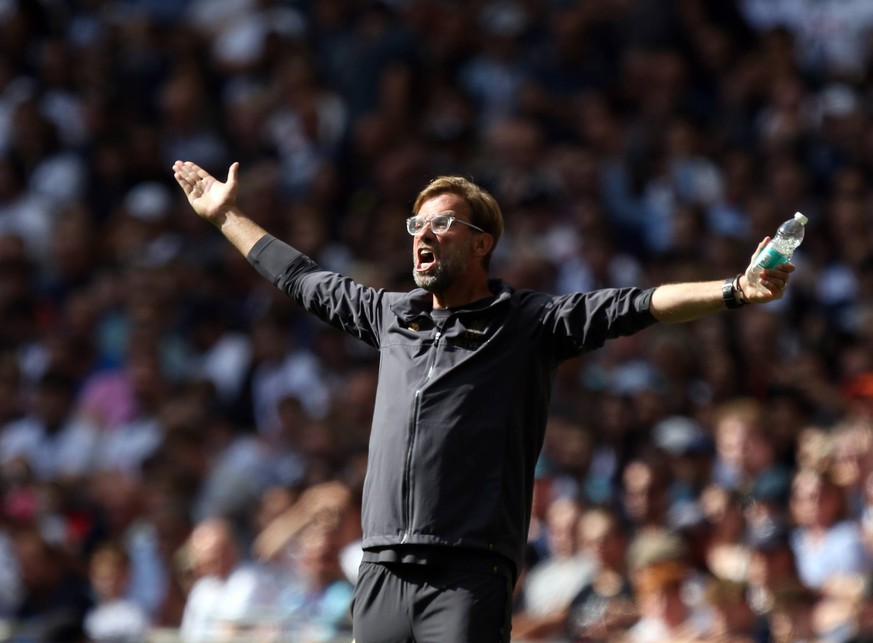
x: 473, y: 336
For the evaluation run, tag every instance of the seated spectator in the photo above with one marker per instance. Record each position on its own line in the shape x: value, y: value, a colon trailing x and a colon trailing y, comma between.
x: 545, y: 479
x: 51, y: 438
x: 114, y: 619
x: 134, y: 397
x: 792, y: 616
x: 772, y: 566
x: 54, y: 594
x: 646, y: 484
x: 843, y: 611
x: 229, y: 595
x: 688, y: 450
x: 550, y: 585
x: 726, y: 554
x: 827, y: 544
x: 661, y: 575
x: 316, y: 604
x: 23, y: 212
x: 744, y: 450
x: 281, y: 369
x: 605, y: 606
x: 213, y: 555
x: 329, y: 502
x: 767, y: 500
x: 733, y: 619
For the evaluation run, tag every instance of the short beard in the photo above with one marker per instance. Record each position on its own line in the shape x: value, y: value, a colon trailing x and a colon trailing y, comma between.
x: 434, y: 282
x: 444, y: 276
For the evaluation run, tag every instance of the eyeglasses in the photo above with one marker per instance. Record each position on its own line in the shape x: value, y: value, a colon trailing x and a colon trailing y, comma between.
x: 439, y: 224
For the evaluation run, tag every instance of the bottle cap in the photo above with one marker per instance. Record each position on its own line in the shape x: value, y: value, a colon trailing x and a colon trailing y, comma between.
x: 801, y: 218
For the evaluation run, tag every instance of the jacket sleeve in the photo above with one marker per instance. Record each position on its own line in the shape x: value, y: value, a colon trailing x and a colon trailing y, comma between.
x: 337, y: 300
x: 580, y: 322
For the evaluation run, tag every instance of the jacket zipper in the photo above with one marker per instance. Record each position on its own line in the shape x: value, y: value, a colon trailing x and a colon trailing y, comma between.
x: 410, y: 447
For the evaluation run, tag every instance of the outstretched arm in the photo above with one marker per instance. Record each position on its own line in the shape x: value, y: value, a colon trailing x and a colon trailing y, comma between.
x: 675, y: 303
x: 215, y: 202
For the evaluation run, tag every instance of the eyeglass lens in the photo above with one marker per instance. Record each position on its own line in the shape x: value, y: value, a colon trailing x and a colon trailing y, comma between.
x: 439, y: 224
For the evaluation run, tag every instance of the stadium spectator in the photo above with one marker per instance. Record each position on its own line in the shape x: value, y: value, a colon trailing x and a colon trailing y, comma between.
x: 113, y: 618
x: 606, y: 606
x: 55, y: 594
x: 827, y: 544
x: 661, y: 576
x: 550, y: 585
x: 230, y: 596
x: 772, y: 567
x: 52, y: 439
x: 733, y: 619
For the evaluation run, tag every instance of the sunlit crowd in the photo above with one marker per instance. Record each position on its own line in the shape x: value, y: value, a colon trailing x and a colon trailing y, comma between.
x: 183, y: 450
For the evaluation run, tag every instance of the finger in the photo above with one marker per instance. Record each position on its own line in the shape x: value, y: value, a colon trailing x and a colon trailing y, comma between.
x: 760, y: 247
x: 774, y: 286
x: 778, y: 275
x: 184, y: 172
x: 185, y: 167
x: 191, y: 171
x: 200, y: 173
x: 184, y: 182
x: 232, y: 172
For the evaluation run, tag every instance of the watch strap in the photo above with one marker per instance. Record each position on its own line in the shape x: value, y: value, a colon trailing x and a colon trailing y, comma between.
x: 729, y: 294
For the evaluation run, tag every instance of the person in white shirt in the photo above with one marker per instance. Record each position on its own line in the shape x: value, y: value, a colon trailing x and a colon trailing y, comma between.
x: 230, y: 595
x: 53, y: 441
x: 114, y: 618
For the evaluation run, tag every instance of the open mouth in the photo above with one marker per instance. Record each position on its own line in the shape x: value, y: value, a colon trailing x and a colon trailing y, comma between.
x: 425, y: 259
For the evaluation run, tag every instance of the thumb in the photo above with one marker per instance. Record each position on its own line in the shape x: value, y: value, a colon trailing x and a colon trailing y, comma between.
x: 232, y: 172
x: 760, y: 247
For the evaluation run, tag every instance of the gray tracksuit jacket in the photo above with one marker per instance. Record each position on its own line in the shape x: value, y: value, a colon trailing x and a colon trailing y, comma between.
x: 462, y: 399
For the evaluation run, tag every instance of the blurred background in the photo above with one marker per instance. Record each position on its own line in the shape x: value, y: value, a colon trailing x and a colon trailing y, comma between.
x: 182, y: 450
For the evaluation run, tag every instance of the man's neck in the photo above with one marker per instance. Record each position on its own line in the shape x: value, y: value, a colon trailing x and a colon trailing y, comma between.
x: 462, y: 295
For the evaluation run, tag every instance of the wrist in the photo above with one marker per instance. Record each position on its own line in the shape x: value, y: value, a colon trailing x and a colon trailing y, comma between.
x: 740, y: 288
x: 224, y: 217
x: 732, y: 293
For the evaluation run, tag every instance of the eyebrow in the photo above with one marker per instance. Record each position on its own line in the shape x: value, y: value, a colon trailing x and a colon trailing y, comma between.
x: 448, y: 213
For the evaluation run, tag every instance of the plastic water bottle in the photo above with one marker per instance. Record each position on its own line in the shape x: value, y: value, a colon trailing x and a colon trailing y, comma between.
x: 780, y: 248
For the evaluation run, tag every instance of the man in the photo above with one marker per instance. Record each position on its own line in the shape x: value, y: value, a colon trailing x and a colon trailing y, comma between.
x: 230, y: 594
x: 466, y: 370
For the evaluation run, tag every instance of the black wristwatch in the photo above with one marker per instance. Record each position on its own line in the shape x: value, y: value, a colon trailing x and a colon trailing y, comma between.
x: 729, y: 294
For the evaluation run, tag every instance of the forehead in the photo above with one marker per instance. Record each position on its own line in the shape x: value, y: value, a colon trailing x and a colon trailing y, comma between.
x: 445, y: 203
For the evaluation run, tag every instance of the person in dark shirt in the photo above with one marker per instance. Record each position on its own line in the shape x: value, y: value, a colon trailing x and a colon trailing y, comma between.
x: 466, y: 370
x: 55, y: 596
x: 605, y: 606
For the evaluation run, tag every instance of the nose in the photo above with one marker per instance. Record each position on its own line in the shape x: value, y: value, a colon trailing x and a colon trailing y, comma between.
x: 425, y: 231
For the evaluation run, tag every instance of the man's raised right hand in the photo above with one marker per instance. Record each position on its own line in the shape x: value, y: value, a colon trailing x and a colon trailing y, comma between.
x: 210, y: 198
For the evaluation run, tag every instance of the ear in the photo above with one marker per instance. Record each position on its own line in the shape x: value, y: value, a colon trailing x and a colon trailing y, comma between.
x: 483, y: 244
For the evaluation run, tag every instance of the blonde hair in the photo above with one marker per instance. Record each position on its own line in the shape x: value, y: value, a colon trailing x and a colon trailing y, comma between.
x: 745, y: 409
x: 110, y: 553
x: 484, y: 210
x: 662, y: 576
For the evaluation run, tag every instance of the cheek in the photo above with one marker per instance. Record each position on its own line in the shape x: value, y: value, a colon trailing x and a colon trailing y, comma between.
x: 458, y: 253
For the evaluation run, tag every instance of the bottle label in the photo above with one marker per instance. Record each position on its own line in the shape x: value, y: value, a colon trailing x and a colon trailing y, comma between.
x: 770, y: 258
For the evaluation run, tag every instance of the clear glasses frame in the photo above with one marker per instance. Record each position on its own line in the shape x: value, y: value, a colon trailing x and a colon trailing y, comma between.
x: 438, y: 224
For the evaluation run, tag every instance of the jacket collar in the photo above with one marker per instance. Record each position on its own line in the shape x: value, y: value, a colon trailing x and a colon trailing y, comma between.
x: 419, y: 302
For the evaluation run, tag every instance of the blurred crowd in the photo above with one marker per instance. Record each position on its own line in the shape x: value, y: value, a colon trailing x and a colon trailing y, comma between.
x: 180, y: 447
